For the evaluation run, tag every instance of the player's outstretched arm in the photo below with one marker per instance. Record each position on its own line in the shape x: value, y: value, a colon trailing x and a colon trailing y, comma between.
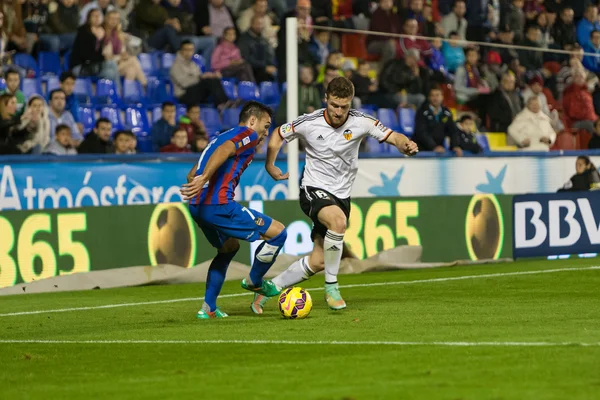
x: 403, y: 144
x: 275, y: 143
x: 221, y: 154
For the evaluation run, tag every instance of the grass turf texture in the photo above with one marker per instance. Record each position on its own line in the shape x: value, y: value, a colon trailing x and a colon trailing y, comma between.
x: 547, y: 307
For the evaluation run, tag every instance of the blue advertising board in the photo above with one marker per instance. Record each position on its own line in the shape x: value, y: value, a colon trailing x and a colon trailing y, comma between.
x: 49, y: 184
x: 556, y: 224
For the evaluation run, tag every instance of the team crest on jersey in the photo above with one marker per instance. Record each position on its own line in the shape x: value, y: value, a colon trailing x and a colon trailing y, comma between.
x: 259, y: 221
x: 285, y: 129
x: 348, y: 134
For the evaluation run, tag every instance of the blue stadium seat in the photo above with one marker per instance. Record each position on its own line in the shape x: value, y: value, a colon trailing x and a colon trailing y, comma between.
x: 66, y: 58
x: 247, y: 91
x: 2, y: 84
x: 407, y: 120
x: 229, y: 88
x: 482, y: 139
x: 144, y: 142
x: 375, y: 147
x: 149, y: 64
x: 52, y: 83
x: 87, y: 117
x: 166, y: 61
x: 137, y: 120
x: 114, y: 116
x: 211, y: 119
x: 83, y: 90
x: 31, y: 86
x: 49, y: 64
x: 388, y: 117
x: 199, y: 60
x: 106, y: 92
x: 156, y: 91
x: 156, y: 114
x: 269, y: 93
x: 133, y: 92
x: 26, y: 61
x: 231, y: 117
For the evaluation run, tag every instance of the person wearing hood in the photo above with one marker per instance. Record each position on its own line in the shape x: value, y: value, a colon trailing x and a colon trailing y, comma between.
x: 98, y: 141
x: 36, y: 125
x: 532, y: 129
x: 586, y: 178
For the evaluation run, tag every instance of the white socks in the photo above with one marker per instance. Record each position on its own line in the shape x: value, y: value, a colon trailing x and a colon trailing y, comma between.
x: 296, y: 273
x: 333, y: 247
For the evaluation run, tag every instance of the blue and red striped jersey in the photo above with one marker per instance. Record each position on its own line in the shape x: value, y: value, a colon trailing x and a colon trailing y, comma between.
x: 221, y: 187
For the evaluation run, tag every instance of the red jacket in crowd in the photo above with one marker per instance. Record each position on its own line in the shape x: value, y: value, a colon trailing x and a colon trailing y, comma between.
x: 578, y: 104
x: 171, y: 148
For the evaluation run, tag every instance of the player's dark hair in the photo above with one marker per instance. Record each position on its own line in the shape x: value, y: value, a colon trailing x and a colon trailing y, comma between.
x: 67, y: 75
x: 592, y: 33
x: 453, y: 33
x: 124, y: 132
x: 185, y: 43
x: 466, y: 117
x: 340, y: 87
x: 102, y: 120
x: 470, y: 50
x: 53, y: 92
x: 188, y: 107
x: 179, y: 130
x: 254, y: 109
x: 62, y: 127
x: 167, y: 104
x: 10, y: 72
x: 435, y: 87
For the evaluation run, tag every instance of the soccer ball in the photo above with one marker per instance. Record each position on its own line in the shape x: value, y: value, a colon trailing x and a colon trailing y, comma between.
x: 295, y: 303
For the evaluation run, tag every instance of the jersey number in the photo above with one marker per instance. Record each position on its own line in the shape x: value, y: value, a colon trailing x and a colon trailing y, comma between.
x: 321, y: 194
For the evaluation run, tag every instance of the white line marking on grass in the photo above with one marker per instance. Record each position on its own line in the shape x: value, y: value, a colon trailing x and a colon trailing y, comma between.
x: 319, y: 342
x: 447, y: 279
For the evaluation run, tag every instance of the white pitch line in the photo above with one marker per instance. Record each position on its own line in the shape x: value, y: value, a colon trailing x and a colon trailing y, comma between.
x: 453, y: 278
x: 318, y: 342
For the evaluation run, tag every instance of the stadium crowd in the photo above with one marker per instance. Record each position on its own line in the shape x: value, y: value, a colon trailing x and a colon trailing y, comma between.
x: 178, y: 70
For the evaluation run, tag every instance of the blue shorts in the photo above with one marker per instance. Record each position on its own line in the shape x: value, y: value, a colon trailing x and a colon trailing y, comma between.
x: 220, y: 222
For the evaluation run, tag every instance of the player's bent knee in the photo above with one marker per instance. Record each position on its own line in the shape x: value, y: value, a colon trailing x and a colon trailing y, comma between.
x: 339, y: 224
x: 275, y: 229
x: 230, y: 246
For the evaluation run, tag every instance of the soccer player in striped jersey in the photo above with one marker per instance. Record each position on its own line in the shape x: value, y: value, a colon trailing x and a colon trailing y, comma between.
x: 210, y: 191
x: 332, y: 137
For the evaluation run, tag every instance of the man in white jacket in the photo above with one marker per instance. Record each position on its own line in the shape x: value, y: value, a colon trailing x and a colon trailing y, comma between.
x: 532, y: 129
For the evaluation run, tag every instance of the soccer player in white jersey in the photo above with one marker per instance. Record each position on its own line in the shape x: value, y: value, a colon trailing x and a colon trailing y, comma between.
x: 332, y: 137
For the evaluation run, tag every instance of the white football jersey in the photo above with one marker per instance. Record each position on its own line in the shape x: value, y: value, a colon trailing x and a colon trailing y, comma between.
x: 332, y: 153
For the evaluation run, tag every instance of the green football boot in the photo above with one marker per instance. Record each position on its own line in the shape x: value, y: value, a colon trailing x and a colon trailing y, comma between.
x: 213, y: 314
x: 267, y: 288
x: 333, y: 297
x: 258, y: 303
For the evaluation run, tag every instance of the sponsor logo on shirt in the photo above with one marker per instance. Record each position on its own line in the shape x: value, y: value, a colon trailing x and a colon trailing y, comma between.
x: 245, y: 141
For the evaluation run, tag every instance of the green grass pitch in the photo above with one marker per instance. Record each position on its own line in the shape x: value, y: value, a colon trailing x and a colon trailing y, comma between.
x: 524, y: 330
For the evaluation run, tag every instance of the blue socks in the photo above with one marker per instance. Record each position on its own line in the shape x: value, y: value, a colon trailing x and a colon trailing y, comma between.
x: 216, y: 277
x: 265, y: 256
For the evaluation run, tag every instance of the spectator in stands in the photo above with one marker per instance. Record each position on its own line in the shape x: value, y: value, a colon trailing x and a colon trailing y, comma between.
x: 309, y: 97
x: 430, y: 27
x: 594, y: 142
x: 433, y: 123
x: 465, y: 133
x: 59, y: 115
x: 563, y: 31
x: 212, y: 18
x: 545, y: 24
x: 586, y: 178
x: 122, y: 142
x: 469, y: 83
x: 514, y: 18
x: 335, y: 60
x: 98, y: 141
x: 404, y: 44
x: 536, y: 88
x: 10, y: 131
x: 492, y: 70
x: 414, y: 11
x: 191, y: 122
x: 477, y: 19
x: 504, y: 104
x: 192, y: 86
x: 257, y: 51
x: 565, y: 74
x: 227, y: 59
x: 103, y: 5
x: 453, y: 53
x: 124, y: 8
x: 63, y: 22
x: 531, y: 129
x: 507, y: 36
x: 132, y: 144
x: 182, y: 14
x: 364, y: 85
x: 418, y: 81
x: 13, y: 82
x: 87, y: 58
x: 35, y: 19
x: 587, y: 25
x: 320, y: 47
x: 455, y: 21
x: 385, y: 20
x: 67, y: 84
x: 154, y: 25
x: 62, y: 145
x: 519, y: 72
x: 592, y: 63
x: 532, y: 60
x: 578, y: 104
x: 13, y: 25
x: 533, y: 8
x: 261, y: 9
x: 436, y: 61
x: 36, y: 125
x: 179, y: 143
x: 200, y: 143
x: 302, y: 13
x: 115, y: 49
x: 330, y: 73
x: 163, y: 129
